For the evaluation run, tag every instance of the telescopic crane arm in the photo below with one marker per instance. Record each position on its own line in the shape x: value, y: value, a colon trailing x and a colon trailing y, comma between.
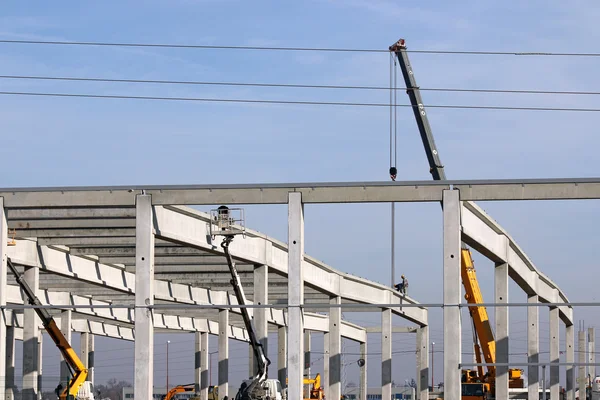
x: 473, y: 294
x: 257, y: 348
x: 77, y: 368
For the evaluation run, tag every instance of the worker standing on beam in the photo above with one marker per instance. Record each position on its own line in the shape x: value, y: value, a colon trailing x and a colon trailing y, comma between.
x: 402, y: 287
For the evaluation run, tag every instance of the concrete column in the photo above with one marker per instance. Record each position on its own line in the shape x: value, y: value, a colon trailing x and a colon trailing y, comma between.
x: 501, y: 318
x: 363, y: 383
x: 533, y: 348
x: 65, y: 328
x: 31, y: 335
x: 201, y: 364
x: 554, y: 353
x: 452, y: 295
x: 144, y: 296
x: 592, y: 352
x: 3, y: 288
x: 10, y: 363
x: 282, y: 355
x: 570, y: 369
x: 335, y: 349
x: 224, y: 353
x: 582, y: 376
x: 386, y: 354
x: 295, y: 295
x: 261, y: 296
x: 326, y: 355
x: 40, y: 364
x: 90, y: 358
x: 423, y: 363
x: 307, y: 353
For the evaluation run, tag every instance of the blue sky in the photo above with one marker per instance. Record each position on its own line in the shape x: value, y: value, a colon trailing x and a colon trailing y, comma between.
x: 51, y: 141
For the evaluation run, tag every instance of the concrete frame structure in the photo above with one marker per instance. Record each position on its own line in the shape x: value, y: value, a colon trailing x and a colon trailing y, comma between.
x: 127, y: 240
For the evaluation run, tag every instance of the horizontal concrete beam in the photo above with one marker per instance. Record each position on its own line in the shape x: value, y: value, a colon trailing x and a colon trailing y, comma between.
x: 395, y: 329
x: 486, y: 236
x: 185, y: 225
x: 62, y: 263
x: 337, y: 192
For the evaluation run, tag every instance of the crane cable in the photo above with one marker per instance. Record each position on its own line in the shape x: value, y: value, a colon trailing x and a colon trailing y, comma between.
x: 393, y: 171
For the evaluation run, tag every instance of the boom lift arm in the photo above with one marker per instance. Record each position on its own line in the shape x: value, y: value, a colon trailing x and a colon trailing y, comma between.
x: 473, y: 294
x: 78, y: 370
x: 257, y: 348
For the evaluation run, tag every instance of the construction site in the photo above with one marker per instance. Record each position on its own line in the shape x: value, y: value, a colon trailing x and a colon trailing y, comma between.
x: 129, y: 262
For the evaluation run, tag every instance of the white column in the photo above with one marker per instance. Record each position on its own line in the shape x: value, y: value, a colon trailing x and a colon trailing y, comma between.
x: 201, y: 364
x: 325, y: 380
x: 570, y: 369
x: 3, y: 288
x: 10, y: 363
x: 223, y: 353
x: 501, y: 319
x: 452, y: 295
x: 65, y: 328
x: 592, y: 352
x: 144, y: 296
x: 363, y: 384
x: 554, y: 353
x: 533, y: 349
x: 282, y: 355
x: 261, y: 296
x: 423, y: 363
x: 31, y: 335
x: 335, y: 349
x: 582, y: 377
x: 386, y: 354
x: 295, y: 295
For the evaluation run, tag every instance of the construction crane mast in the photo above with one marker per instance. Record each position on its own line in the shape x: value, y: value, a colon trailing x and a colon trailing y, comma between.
x: 77, y: 387
x: 479, y: 316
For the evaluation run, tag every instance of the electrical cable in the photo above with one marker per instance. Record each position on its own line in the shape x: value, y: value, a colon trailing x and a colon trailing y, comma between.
x: 290, y: 85
x: 289, y: 102
x: 274, y: 48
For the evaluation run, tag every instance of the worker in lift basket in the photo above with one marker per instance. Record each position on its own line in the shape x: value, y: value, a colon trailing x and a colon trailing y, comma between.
x: 402, y: 287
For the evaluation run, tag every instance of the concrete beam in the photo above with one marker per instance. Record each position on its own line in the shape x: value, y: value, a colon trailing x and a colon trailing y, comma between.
x: 89, y: 271
x: 337, y: 192
x: 486, y: 236
x: 188, y: 226
x: 452, y: 295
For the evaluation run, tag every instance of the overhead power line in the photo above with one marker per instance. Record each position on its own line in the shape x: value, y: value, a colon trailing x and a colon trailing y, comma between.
x: 289, y: 102
x: 285, y: 85
x: 278, y: 48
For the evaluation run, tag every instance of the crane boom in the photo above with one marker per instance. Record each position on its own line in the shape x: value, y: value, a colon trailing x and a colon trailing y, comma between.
x: 78, y: 370
x: 257, y: 348
x: 473, y: 293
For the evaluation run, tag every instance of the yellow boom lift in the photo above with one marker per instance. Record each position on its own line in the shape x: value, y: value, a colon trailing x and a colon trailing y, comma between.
x: 77, y: 388
x: 475, y: 384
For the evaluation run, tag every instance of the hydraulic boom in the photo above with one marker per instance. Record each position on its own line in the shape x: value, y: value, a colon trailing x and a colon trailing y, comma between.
x: 78, y: 371
x: 259, y: 354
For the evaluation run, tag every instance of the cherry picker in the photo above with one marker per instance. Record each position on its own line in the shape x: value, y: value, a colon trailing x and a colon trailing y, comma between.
x: 78, y: 388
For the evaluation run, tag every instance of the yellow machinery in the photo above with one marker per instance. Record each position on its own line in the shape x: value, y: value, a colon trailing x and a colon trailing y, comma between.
x: 179, y: 389
x: 77, y: 386
x: 316, y: 391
